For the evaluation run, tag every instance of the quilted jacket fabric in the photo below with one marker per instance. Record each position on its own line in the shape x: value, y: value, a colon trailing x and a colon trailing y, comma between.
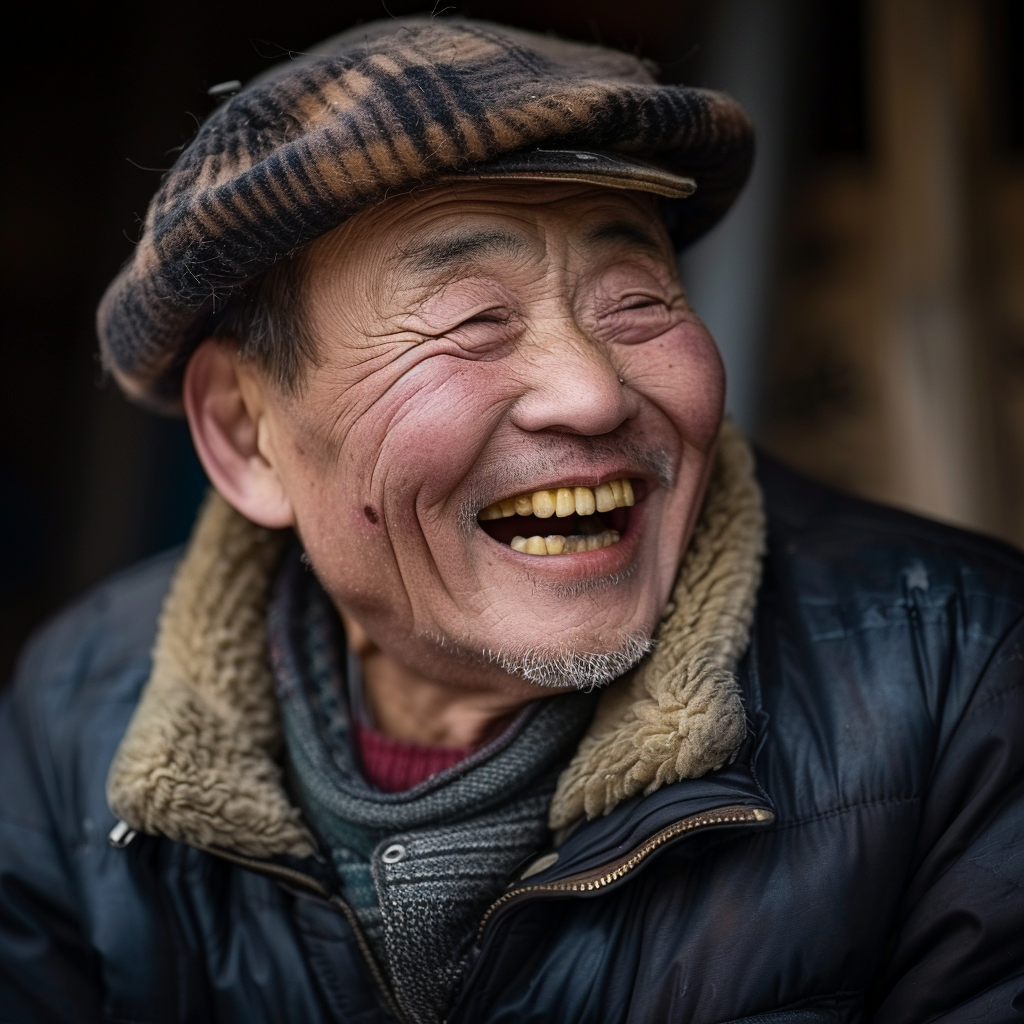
x: 860, y: 860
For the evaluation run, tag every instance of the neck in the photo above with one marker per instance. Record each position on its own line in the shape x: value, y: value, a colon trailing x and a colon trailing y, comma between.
x: 414, y: 708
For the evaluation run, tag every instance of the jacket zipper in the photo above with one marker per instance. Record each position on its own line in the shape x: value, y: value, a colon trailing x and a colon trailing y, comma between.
x: 597, y: 879
x: 312, y: 885
x: 584, y: 882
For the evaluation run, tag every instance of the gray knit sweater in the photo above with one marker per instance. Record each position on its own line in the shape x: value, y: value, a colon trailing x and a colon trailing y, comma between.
x: 419, y: 868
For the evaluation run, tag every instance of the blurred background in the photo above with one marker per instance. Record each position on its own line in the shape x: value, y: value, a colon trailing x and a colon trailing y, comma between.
x: 866, y: 290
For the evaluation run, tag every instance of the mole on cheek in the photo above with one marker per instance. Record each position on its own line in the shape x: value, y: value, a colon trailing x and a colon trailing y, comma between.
x: 371, y: 513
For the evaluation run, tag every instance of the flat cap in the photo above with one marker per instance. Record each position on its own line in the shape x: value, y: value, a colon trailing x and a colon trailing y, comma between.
x: 380, y: 110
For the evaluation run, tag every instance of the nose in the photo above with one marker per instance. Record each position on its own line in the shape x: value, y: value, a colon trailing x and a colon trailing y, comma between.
x: 571, y: 385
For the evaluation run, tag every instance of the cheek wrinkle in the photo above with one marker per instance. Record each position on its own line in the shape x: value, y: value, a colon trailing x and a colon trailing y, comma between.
x: 371, y: 513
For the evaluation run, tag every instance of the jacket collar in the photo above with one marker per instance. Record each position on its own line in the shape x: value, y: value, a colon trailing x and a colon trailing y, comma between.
x: 616, y: 837
x: 200, y: 761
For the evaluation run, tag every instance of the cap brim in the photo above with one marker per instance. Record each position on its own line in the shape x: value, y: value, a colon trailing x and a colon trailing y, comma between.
x: 610, y: 170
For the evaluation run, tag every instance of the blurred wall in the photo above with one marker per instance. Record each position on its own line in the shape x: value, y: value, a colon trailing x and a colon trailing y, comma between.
x: 894, y: 360
x: 751, y: 49
x: 866, y: 290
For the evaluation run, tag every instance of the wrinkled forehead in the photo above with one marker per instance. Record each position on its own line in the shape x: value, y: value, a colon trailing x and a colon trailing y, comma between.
x: 435, y: 229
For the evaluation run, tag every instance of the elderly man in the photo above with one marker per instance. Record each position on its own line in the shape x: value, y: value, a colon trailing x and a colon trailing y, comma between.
x: 494, y: 683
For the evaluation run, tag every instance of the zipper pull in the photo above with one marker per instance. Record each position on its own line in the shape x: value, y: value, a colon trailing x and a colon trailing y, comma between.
x: 121, y: 835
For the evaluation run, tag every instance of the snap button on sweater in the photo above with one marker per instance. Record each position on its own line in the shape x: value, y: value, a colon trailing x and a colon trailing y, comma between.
x: 393, y: 854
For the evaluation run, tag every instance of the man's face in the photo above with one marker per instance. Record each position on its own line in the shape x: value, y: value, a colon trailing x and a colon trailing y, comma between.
x: 486, y: 348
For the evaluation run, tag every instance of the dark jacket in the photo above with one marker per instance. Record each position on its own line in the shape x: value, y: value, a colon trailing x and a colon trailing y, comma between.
x: 862, y: 858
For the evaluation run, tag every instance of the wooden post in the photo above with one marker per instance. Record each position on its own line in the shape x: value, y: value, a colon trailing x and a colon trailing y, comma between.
x: 924, y: 61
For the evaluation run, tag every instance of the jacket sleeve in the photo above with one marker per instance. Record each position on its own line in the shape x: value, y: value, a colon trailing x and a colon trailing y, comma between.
x: 47, y: 971
x: 956, y: 953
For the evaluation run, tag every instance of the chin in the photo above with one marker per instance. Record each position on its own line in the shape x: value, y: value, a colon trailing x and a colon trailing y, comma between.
x: 579, y: 667
x: 583, y: 658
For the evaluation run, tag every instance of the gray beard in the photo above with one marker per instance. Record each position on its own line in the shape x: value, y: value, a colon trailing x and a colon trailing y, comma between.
x: 577, y: 670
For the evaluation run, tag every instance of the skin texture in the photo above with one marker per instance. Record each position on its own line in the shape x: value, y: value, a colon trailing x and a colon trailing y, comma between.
x: 474, y: 342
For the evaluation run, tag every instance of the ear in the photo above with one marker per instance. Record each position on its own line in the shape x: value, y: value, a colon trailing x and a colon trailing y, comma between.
x: 227, y: 414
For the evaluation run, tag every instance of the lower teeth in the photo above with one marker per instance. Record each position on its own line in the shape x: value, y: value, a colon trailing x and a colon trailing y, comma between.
x: 557, y: 545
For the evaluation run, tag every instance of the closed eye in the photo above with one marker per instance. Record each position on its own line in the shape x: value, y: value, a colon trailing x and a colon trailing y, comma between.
x: 635, y: 318
x: 632, y: 302
x: 640, y: 301
x: 497, y: 315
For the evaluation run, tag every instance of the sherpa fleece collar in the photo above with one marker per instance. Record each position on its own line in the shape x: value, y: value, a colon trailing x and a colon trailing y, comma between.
x: 200, y: 761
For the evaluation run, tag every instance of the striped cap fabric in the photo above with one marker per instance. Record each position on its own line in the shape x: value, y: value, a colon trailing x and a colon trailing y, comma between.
x: 380, y: 110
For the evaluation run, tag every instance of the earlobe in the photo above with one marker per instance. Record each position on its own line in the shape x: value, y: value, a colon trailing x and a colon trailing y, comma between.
x: 226, y: 414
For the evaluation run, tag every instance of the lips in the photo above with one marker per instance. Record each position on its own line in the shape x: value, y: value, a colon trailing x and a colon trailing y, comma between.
x: 578, y: 518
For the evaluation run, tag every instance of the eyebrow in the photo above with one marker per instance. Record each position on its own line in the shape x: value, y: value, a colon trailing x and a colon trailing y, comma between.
x: 453, y: 249
x: 623, y: 231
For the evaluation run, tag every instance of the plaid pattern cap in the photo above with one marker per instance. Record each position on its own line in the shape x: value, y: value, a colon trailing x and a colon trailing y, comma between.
x: 376, y: 111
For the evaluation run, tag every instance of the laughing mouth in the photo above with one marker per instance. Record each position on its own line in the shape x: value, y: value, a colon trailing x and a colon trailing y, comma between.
x: 581, y: 518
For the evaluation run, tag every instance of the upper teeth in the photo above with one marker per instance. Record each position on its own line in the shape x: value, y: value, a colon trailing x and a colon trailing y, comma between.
x: 564, y: 501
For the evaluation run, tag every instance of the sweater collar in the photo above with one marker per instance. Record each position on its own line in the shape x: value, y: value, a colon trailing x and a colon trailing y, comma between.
x: 200, y: 761
x: 305, y: 641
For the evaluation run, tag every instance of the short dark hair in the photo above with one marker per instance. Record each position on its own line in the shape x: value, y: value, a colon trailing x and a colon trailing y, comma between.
x: 268, y: 319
